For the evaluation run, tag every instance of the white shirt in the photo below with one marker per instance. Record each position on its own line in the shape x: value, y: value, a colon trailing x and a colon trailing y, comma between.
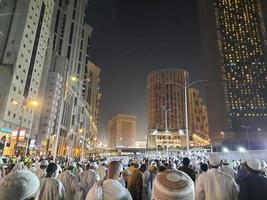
x: 216, y: 185
x: 228, y: 170
x: 108, y: 190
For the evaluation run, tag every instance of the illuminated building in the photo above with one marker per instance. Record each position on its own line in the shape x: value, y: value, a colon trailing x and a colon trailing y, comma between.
x: 241, y: 38
x: 166, y: 109
x: 198, y: 118
x: 122, y: 131
x: 24, y: 41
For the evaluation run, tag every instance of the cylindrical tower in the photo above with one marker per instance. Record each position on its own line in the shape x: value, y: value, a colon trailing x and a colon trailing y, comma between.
x: 165, y: 99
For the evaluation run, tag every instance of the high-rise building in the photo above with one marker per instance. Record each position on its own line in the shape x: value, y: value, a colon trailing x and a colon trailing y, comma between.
x: 240, y: 53
x: 165, y: 95
x: 25, y: 28
x: 122, y: 131
x: 166, y: 110
x: 198, y: 118
x: 242, y: 45
x: 70, y: 47
x: 91, y: 93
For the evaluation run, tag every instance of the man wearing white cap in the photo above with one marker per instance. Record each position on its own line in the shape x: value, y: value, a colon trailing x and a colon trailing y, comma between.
x: 214, y: 184
x: 226, y: 169
x: 254, y: 185
x: 110, y: 189
x: 86, y: 181
x: 19, y: 185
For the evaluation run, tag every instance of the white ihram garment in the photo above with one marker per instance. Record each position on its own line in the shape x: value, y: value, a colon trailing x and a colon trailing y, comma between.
x: 108, y: 190
x: 215, y: 185
x: 86, y: 181
x: 228, y: 170
x: 52, y: 189
x: 40, y: 173
x: 68, y: 180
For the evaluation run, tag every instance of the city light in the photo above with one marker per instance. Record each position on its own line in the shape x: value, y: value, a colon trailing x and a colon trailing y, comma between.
x: 34, y: 103
x: 80, y: 130
x: 225, y: 149
x: 241, y: 149
x: 74, y: 78
x: 14, y: 102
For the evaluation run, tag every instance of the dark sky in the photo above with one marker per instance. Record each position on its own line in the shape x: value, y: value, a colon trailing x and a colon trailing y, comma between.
x: 132, y: 38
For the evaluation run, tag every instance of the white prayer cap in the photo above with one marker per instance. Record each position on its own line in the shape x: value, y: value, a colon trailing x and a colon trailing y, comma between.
x: 214, y: 159
x: 254, y: 164
x: 173, y: 185
x: 44, y: 163
x: 19, y: 185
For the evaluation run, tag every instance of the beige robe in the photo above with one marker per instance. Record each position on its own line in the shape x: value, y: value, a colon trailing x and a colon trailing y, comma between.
x: 52, y: 189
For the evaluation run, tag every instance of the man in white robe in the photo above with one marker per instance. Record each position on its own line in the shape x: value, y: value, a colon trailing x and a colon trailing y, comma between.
x: 86, y: 181
x: 50, y: 187
x: 68, y: 179
x: 215, y: 184
x: 110, y: 189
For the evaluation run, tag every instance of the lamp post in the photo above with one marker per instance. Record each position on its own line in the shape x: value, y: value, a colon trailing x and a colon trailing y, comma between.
x: 185, y: 86
x: 23, y: 105
x: 246, y: 128
x: 259, y: 131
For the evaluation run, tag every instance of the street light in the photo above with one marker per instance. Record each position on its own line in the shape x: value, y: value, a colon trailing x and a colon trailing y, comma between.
x: 246, y: 128
x: 23, y: 105
x: 186, y: 85
x: 259, y: 131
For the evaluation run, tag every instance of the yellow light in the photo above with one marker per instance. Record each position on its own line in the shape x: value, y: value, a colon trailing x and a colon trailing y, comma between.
x: 80, y: 130
x: 15, y: 102
x: 34, y: 103
x: 74, y: 78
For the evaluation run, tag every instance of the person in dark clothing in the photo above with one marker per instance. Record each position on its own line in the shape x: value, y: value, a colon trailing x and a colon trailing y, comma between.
x: 186, y: 169
x: 254, y: 185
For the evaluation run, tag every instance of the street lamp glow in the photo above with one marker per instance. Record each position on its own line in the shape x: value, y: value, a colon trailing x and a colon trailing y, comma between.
x: 80, y: 130
x: 34, y: 103
x: 15, y: 102
x: 225, y: 149
x: 222, y: 133
x: 74, y: 78
x: 241, y: 149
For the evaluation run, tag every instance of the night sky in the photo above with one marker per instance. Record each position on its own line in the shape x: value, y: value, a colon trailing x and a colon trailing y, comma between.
x: 132, y: 38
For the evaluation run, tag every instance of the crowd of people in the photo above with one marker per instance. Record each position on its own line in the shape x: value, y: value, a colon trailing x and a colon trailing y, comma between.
x: 205, y: 177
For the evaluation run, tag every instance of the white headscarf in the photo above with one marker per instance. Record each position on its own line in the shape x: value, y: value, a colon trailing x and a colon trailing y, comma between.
x: 108, y: 190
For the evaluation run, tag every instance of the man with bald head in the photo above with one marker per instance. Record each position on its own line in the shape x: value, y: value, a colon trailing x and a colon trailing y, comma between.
x: 111, y: 188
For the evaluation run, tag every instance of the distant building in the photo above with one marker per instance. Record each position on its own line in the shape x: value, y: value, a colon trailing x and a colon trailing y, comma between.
x: 122, y: 131
x: 166, y: 110
x: 25, y: 28
x: 198, y: 119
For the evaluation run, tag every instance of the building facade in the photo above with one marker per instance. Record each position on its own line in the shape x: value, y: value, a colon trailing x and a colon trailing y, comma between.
x: 166, y: 111
x: 24, y: 41
x: 70, y: 46
x: 122, y: 131
x: 242, y: 44
x: 198, y: 118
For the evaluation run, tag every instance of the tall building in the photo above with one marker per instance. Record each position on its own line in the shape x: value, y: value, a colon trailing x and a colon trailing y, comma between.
x: 198, y: 118
x: 91, y: 93
x: 166, y: 110
x: 240, y: 62
x: 25, y: 27
x: 122, y: 131
x: 165, y: 95
x: 242, y: 45
x: 215, y: 98
x: 69, y: 76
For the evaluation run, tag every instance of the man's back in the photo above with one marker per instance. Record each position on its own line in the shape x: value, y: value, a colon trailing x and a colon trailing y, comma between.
x: 215, y: 185
x: 189, y: 171
x: 253, y: 187
x: 228, y: 170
